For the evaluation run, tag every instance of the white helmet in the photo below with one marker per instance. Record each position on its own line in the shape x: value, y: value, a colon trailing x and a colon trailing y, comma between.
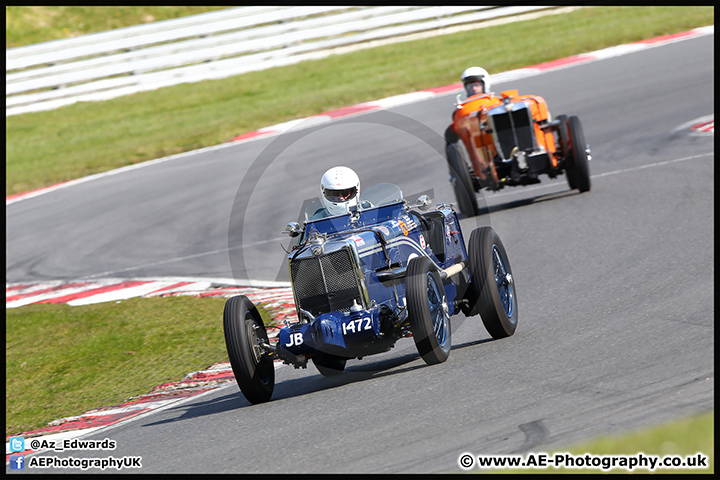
x: 340, y: 188
x: 476, y: 74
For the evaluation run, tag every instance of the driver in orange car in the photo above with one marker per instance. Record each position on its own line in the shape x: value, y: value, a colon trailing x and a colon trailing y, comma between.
x: 476, y: 82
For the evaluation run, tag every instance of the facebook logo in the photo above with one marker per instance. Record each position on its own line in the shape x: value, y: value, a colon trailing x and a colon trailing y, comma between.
x: 17, y: 444
x: 17, y: 462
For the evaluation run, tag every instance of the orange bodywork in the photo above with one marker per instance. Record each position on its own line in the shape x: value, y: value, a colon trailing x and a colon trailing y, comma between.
x: 479, y: 144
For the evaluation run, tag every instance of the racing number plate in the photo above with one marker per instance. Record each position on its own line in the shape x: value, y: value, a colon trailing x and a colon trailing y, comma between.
x: 357, y: 325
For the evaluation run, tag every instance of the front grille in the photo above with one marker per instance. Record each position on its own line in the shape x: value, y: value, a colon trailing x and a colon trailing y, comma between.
x: 326, y: 283
x: 503, y: 128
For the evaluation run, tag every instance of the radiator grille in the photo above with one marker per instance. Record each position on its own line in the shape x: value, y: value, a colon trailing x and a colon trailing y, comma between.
x: 523, y: 130
x: 326, y: 283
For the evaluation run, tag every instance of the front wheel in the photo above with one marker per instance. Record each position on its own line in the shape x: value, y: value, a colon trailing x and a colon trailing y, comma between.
x: 428, y: 310
x: 244, y: 333
x: 492, y: 288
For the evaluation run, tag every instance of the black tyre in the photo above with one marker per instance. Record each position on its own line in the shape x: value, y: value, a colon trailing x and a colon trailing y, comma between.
x: 451, y: 136
x: 581, y: 166
x: 492, y: 289
x: 428, y: 310
x: 460, y: 180
x: 565, y: 150
x: 329, y: 365
x: 244, y: 331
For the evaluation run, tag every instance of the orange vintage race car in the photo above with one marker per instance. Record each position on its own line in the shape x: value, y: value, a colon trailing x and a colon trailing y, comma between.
x: 510, y: 140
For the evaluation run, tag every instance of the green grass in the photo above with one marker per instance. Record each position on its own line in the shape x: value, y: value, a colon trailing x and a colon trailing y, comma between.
x: 46, y: 148
x: 684, y: 437
x: 28, y: 25
x: 63, y: 360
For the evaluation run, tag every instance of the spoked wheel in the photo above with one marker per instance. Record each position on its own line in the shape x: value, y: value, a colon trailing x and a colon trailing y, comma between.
x: 244, y: 332
x: 581, y: 166
x: 428, y: 310
x: 565, y: 151
x: 329, y: 365
x: 492, y: 289
x: 460, y: 177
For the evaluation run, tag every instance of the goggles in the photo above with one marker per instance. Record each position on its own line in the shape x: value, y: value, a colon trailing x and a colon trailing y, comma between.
x: 339, y: 196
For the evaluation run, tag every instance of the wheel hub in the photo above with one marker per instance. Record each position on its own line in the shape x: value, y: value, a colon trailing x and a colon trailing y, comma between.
x: 255, y: 343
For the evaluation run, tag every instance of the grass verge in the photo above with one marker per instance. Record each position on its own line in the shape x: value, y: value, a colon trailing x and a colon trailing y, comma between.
x: 685, y: 437
x: 45, y: 148
x: 63, y: 360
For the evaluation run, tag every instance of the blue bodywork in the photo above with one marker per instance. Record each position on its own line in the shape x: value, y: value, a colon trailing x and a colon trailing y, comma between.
x: 348, y: 277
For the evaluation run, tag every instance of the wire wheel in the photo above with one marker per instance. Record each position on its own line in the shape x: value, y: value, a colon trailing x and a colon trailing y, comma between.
x: 428, y: 310
x: 492, y: 293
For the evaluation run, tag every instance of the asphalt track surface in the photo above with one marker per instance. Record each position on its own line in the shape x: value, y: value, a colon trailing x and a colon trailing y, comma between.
x: 615, y: 286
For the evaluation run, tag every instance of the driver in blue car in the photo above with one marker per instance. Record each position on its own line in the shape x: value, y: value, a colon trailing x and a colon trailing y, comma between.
x: 340, y: 189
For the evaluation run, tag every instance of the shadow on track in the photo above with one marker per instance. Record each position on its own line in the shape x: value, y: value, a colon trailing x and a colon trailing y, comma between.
x: 523, y: 202
x: 306, y: 385
x: 484, y: 209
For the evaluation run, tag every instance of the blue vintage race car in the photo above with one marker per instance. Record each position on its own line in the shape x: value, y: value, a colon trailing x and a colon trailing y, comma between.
x: 363, y: 280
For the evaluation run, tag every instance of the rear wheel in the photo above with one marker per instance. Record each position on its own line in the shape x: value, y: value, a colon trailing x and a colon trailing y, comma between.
x: 244, y: 332
x: 428, y: 310
x: 460, y: 178
x: 565, y: 151
x: 580, y: 164
x: 492, y: 289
